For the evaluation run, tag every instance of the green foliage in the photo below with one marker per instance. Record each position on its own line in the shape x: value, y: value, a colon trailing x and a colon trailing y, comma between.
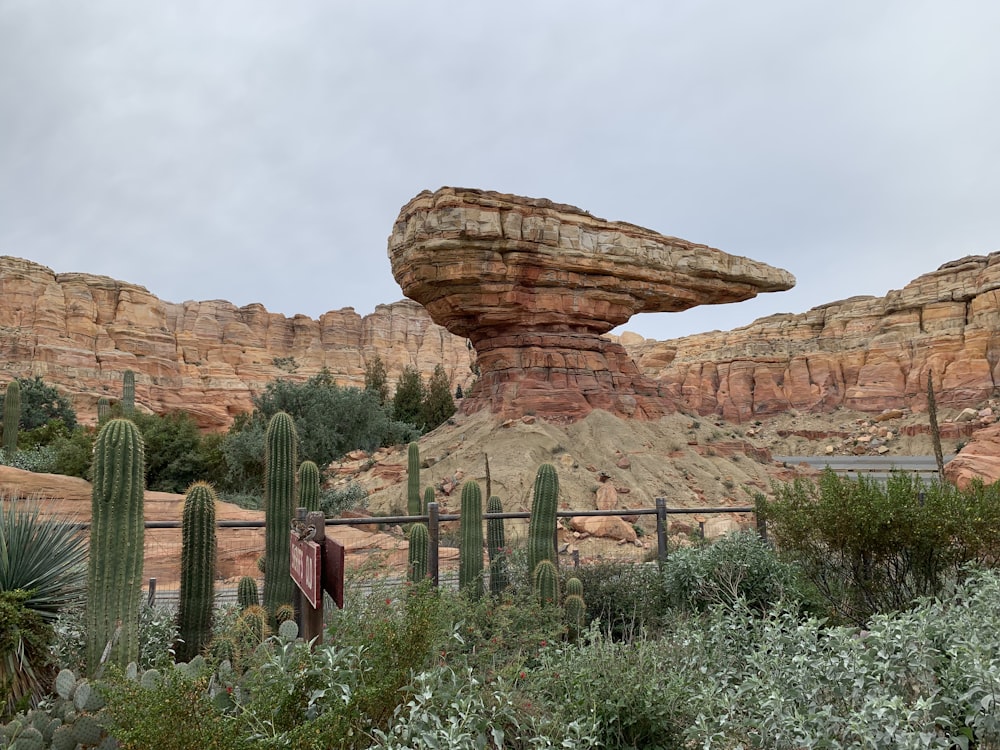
x: 329, y: 421
x: 413, y: 479
x: 279, y: 497
x: 197, y: 586
x: 736, y: 566
x: 417, y: 553
x: 116, y: 544
x: 542, y: 525
x: 42, y: 403
x: 438, y: 405
x: 72, y: 455
x: 870, y: 548
x: 309, y: 481
x: 336, y: 500
x: 11, y: 417
x: 625, y: 598
x: 175, y: 712
x: 407, y: 402
x: 496, y: 545
x: 247, y: 594
x: 24, y: 658
x: 377, y: 380
x: 470, y: 561
x: 177, y: 454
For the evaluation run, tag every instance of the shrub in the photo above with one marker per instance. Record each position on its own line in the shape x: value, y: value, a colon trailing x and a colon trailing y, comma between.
x: 870, y: 548
x: 624, y: 599
x: 42, y: 403
x: 737, y: 566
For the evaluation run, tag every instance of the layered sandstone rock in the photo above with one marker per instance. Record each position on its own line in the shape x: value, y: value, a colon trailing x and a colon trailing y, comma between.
x: 80, y: 332
x: 533, y: 285
x: 865, y: 353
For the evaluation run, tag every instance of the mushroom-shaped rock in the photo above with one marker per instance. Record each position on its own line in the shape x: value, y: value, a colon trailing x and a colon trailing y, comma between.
x: 533, y: 284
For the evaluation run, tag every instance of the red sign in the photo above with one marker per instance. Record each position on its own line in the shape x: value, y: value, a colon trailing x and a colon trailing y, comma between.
x: 305, y: 563
x: 333, y: 570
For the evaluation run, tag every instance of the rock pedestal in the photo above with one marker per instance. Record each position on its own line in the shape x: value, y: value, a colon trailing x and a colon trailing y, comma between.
x: 534, y: 284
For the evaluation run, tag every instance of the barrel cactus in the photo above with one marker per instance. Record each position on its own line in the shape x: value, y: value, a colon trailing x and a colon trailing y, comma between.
x: 574, y: 612
x: 197, y: 591
x: 279, y: 497
x: 542, y: 526
x: 309, y: 481
x: 496, y: 544
x: 116, y: 545
x: 247, y: 594
x: 417, y: 555
x: 546, y: 581
x: 470, y: 560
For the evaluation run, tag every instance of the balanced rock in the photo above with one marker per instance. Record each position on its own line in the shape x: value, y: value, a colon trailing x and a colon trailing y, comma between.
x: 534, y: 284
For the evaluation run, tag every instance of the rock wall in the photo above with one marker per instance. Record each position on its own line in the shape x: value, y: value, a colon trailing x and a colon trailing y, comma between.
x: 865, y: 353
x: 80, y: 332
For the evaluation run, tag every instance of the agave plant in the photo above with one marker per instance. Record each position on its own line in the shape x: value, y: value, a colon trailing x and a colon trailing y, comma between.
x: 42, y: 573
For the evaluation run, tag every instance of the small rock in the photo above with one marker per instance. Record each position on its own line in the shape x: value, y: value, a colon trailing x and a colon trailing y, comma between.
x: 883, y: 449
x: 624, y: 463
x: 528, y: 419
x: 828, y: 450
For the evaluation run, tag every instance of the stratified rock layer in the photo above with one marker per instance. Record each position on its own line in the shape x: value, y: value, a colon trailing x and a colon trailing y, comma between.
x: 865, y: 353
x: 533, y: 284
x: 81, y: 332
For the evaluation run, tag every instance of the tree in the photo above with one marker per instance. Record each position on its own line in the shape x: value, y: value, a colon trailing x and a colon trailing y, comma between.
x: 41, y: 403
x: 438, y: 405
x: 376, y: 379
x: 407, y: 403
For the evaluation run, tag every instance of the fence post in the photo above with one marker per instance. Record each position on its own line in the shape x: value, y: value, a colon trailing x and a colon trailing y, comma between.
x: 762, y: 527
x: 661, y: 530
x: 152, y: 592
x: 300, y: 517
x: 433, y: 538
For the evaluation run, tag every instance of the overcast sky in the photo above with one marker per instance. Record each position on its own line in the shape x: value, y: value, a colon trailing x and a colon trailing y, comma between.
x: 260, y: 151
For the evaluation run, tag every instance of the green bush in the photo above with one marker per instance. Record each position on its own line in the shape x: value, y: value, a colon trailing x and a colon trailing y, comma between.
x: 41, y: 404
x: 868, y: 547
x: 624, y: 599
x: 737, y: 566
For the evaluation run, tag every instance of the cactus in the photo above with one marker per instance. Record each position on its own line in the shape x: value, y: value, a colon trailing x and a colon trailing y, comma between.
x: 87, y: 731
x: 11, y: 417
x: 128, y: 393
x: 574, y: 611
x: 114, y: 580
x: 309, y: 486
x: 546, y: 581
x: 103, y: 410
x: 284, y: 613
x: 574, y: 587
x: 496, y: 541
x: 542, y: 526
x: 428, y: 499
x: 470, y: 560
x: 279, y: 496
x: 413, y: 480
x: 197, y: 593
x: 246, y: 593
x: 417, y: 555
x: 252, y: 627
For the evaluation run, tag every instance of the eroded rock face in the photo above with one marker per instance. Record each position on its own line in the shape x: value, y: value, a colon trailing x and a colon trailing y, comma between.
x: 533, y: 285
x: 81, y: 332
x: 865, y: 353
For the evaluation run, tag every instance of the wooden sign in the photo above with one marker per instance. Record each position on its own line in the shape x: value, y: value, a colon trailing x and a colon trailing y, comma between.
x: 306, y: 569
x: 333, y: 571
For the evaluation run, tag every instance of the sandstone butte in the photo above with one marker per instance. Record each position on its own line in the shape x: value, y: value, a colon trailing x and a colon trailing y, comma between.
x: 534, y: 284
x: 80, y: 332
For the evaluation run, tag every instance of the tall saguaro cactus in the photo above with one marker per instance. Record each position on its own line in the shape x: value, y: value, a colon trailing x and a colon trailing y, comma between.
x: 470, y: 559
x: 103, y: 410
x: 496, y: 543
x: 279, y: 496
x: 114, y: 583
x: 413, y: 480
x: 417, y: 555
x: 309, y: 486
x: 428, y: 499
x: 11, y: 416
x: 197, y: 594
x: 128, y: 393
x: 542, y: 526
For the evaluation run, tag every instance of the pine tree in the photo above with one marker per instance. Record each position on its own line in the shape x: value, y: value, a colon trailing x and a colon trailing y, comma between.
x: 438, y: 405
x: 408, y: 401
x: 376, y: 379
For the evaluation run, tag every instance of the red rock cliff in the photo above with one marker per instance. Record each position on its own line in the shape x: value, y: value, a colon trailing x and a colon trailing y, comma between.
x: 80, y: 332
x: 863, y: 353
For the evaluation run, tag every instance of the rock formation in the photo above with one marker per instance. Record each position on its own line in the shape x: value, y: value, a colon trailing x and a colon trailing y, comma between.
x: 865, y: 353
x: 80, y: 332
x: 534, y: 285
